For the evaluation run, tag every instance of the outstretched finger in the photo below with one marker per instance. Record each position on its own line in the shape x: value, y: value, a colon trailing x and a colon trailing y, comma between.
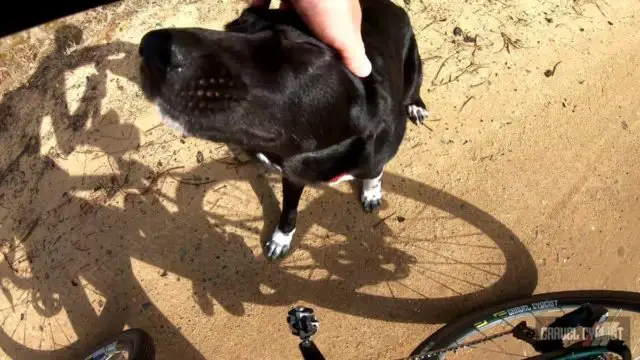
x: 355, y: 57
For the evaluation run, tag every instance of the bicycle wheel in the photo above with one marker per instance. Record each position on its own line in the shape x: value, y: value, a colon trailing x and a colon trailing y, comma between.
x: 487, y: 333
x: 133, y: 344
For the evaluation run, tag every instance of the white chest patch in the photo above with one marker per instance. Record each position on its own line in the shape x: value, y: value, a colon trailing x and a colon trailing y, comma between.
x: 335, y: 181
x: 169, y: 122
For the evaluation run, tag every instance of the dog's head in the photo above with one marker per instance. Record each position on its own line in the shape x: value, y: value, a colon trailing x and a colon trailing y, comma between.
x: 212, y: 83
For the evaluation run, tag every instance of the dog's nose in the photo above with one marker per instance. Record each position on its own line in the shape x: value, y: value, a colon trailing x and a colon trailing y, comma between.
x: 155, y: 48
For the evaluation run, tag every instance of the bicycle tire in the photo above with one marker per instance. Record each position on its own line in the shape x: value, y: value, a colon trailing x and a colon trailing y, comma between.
x: 136, y: 342
x: 450, y: 333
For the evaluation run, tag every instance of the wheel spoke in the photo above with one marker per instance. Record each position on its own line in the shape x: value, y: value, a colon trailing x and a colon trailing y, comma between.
x: 507, y: 322
x: 612, y: 321
x: 62, y: 330
x: 439, y: 283
x: 53, y: 340
x: 456, y: 261
x: 635, y: 347
x: 41, y: 328
x: 534, y: 315
x: 412, y: 289
x: 450, y: 276
x: 24, y: 332
x: 494, y: 341
x: 496, y: 351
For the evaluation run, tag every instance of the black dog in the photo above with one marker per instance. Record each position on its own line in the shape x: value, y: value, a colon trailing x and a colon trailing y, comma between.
x: 271, y: 88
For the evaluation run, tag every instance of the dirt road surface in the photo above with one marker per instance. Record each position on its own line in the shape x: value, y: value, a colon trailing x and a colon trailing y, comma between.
x: 524, y: 180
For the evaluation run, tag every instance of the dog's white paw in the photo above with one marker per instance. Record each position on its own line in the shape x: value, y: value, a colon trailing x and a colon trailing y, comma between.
x: 267, y: 163
x: 417, y: 114
x: 371, y: 193
x: 279, y: 244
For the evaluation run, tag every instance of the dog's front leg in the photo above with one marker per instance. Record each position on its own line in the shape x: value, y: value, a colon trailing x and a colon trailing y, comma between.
x: 372, y: 193
x: 280, y: 242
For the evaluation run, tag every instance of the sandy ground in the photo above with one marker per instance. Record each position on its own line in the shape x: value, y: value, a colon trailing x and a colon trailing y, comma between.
x: 524, y: 180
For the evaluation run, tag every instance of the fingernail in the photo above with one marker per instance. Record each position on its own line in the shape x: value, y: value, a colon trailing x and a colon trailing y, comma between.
x: 365, y: 68
x: 361, y: 68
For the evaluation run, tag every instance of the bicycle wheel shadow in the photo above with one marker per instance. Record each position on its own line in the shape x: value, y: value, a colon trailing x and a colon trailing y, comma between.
x: 369, y: 256
x: 44, y: 94
x: 71, y: 261
x: 51, y: 307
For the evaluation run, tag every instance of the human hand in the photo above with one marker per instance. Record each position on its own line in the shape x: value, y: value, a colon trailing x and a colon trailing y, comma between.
x: 337, y: 24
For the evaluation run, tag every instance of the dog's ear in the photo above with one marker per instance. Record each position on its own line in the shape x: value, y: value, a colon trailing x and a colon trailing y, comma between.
x: 325, y: 164
x: 252, y: 20
x: 257, y: 19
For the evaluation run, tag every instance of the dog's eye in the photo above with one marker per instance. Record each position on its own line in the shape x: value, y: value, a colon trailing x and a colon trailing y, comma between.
x: 175, y: 68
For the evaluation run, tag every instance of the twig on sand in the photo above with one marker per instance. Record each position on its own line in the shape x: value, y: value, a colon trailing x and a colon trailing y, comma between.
x: 383, y: 220
x: 156, y: 177
x: 9, y: 263
x: 431, y: 23
x: 551, y: 72
x: 465, y: 103
x: 471, y: 67
x: 577, y: 8
x: 152, y: 128
x: 190, y: 182
x: 436, y: 57
x: 433, y: 81
x: 508, y: 43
